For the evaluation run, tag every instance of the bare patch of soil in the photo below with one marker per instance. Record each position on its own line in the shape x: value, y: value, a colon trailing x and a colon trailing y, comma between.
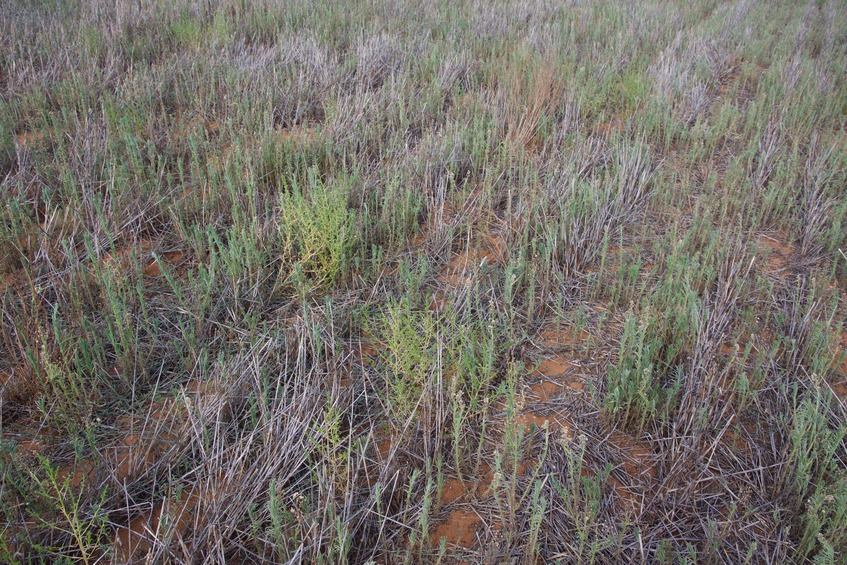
x: 638, y: 464
x: 383, y: 449
x: 737, y: 441
x: 562, y: 337
x: 134, y: 541
x: 460, y: 528
x: 453, y: 489
x: 554, y: 376
x: 544, y: 390
x: 840, y: 387
x: 458, y: 270
x: 136, y: 454
x: 840, y: 390
x: 121, y: 258
x: 29, y: 138
x: 553, y: 421
x: 614, y: 125
x: 638, y: 457
x: 17, y: 387
x: 154, y: 270
x: 298, y: 135
x: 777, y: 252
x: 364, y: 350
x: 76, y: 474
x: 556, y: 366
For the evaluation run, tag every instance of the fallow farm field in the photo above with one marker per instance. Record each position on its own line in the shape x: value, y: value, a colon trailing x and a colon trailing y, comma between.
x: 423, y: 281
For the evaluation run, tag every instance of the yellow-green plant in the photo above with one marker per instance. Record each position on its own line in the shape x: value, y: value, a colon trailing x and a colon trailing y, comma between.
x: 316, y: 230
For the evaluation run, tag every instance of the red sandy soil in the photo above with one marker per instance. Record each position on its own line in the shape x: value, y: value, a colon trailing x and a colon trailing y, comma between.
x: 778, y: 250
x: 459, y: 528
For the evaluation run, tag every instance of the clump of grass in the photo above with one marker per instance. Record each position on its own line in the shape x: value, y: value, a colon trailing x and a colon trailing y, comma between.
x: 529, y: 89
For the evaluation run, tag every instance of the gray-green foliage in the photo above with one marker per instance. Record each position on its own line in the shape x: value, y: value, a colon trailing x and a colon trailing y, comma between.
x: 310, y: 247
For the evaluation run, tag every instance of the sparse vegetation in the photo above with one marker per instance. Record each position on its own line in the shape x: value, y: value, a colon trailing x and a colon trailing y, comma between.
x: 517, y: 281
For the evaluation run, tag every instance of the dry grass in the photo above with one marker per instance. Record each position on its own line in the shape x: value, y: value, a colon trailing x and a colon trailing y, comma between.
x: 393, y: 282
